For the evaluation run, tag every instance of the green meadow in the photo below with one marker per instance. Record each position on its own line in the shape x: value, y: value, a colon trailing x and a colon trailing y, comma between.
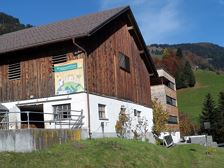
x: 119, y: 153
x: 190, y: 100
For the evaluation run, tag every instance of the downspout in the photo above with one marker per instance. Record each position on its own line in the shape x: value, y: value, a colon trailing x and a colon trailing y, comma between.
x: 86, y: 84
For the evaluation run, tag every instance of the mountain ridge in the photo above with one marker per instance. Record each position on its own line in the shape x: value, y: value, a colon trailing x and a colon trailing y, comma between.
x: 10, y: 24
x: 206, y: 55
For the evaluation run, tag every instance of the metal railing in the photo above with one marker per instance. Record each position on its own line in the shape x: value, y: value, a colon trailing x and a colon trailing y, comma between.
x: 72, y: 119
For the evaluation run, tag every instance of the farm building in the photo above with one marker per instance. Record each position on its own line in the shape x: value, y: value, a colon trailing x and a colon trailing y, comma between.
x: 77, y: 73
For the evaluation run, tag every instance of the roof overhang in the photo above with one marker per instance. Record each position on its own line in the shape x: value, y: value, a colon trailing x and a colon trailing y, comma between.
x: 134, y: 30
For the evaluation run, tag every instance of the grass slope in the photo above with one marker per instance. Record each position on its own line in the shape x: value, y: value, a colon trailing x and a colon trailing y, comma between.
x: 114, y: 153
x: 190, y: 100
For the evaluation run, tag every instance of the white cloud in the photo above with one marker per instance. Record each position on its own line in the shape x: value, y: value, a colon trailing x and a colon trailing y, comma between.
x: 158, y: 19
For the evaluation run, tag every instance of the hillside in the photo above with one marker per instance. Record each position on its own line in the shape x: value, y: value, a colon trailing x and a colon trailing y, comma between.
x: 109, y: 153
x: 190, y: 99
x: 10, y: 24
x: 204, y: 55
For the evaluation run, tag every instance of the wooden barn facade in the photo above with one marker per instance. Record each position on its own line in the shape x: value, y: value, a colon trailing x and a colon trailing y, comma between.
x: 95, y: 64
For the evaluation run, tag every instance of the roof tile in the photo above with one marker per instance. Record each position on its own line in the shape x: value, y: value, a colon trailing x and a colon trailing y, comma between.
x: 55, y: 32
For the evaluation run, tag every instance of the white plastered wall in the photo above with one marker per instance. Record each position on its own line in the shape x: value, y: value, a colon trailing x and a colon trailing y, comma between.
x: 14, y: 117
x: 79, y: 102
x: 113, y: 108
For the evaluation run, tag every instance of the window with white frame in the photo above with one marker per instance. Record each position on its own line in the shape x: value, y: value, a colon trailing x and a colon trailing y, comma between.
x: 102, y: 111
x: 62, y: 111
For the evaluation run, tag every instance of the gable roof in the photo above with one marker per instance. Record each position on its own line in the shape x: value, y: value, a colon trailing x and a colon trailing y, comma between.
x: 58, y: 31
x: 65, y: 30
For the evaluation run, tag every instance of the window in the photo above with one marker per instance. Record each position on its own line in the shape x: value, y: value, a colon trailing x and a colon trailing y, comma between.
x: 170, y: 101
x: 137, y: 113
x: 172, y: 120
x: 62, y: 111
x: 14, y: 71
x: 171, y: 85
x: 102, y: 111
x: 56, y: 59
x: 168, y: 83
x: 124, y: 62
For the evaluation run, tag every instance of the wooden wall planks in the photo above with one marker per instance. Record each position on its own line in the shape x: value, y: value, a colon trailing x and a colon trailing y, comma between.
x: 104, y: 74
x: 37, y: 78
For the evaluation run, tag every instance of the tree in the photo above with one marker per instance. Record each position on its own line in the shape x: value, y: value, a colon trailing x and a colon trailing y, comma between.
x: 208, y: 113
x: 128, y: 126
x: 215, y: 116
x: 165, y: 53
x: 10, y: 24
x: 187, y: 127
x: 189, y: 78
x: 121, y: 126
x: 219, y: 120
x: 140, y: 130
x: 184, y: 76
x: 179, y: 53
x: 160, y: 118
x: 180, y: 79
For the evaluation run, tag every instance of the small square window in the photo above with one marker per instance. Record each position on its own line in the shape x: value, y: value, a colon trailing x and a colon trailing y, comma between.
x: 137, y: 113
x: 102, y: 111
x: 62, y: 111
x: 124, y: 62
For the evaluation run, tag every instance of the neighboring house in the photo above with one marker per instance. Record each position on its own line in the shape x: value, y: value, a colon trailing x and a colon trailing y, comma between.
x: 163, y: 89
x: 94, y: 64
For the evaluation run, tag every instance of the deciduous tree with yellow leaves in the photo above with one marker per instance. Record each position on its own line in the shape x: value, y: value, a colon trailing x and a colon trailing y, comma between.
x: 160, y: 117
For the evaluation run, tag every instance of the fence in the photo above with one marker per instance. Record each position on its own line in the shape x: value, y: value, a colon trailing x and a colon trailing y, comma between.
x: 69, y: 119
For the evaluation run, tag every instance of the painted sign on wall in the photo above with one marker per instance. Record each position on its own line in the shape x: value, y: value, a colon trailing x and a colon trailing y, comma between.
x: 69, y: 77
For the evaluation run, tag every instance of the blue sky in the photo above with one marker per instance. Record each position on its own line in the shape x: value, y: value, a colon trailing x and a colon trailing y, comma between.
x: 160, y: 21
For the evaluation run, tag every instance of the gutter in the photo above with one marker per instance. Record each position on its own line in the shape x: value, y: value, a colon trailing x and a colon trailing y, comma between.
x: 86, y: 84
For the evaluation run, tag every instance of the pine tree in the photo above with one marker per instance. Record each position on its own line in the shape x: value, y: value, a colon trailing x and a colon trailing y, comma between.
x: 189, y: 78
x: 180, y: 78
x: 219, y: 117
x: 192, y: 80
x: 208, y: 113
x: 179, y: 53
